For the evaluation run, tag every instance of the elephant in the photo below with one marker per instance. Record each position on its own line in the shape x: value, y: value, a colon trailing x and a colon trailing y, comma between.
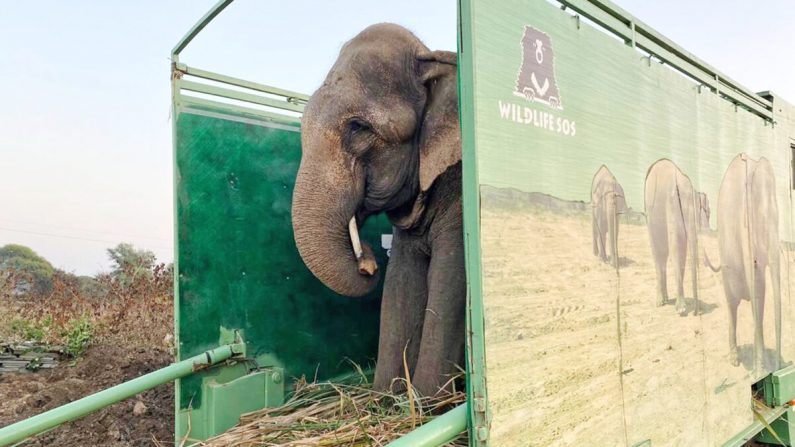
x: 673, y: 213
x: 702, y: 201
x: 607, y: 202
x: 748, y: 244
x: 381, y: 135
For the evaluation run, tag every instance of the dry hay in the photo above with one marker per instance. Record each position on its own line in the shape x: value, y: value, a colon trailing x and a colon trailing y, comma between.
x: 337, y: 414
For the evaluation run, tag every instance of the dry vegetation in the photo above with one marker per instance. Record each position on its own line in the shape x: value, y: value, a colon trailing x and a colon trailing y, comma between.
x: 110, y: 332
x: 338, y: 414
x: 138, y: 313
x: 117, y: 330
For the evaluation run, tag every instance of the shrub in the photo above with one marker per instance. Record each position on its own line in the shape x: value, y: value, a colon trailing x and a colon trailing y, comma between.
x: 78, y: 335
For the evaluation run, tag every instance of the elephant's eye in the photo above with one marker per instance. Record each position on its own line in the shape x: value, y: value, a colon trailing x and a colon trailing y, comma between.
x: 357, y: 125
x: 358, y: 136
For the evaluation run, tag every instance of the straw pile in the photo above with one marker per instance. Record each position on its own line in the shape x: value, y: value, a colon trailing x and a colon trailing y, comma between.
x: 337, y: 414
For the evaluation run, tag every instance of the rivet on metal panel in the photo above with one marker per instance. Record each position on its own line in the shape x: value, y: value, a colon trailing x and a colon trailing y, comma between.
x: 479, y: 404
x: 276, y: 377
x: 482, y: 433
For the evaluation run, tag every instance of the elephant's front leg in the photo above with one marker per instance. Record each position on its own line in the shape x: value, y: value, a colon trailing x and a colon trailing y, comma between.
x: 442, y: 346
x: 679, y: 251
x: 732, y: 308
x: 758, y: 307
x: 402, y: 305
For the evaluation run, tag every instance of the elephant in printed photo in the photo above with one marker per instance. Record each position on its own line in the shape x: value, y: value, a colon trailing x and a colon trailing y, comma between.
x: 607, y: 202
x: 748, y: 244
x: 381, y: 135
x: 673, y: 210
x: 702, y: 202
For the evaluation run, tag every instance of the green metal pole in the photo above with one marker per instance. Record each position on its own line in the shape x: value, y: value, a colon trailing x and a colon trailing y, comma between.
x: 439, y: 431
x: 193, y: 32
x: 79, y: 408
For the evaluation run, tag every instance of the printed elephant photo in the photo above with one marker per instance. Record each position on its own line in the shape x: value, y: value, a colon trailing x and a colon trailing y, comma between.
x: 607, y: 202
x: 674, y: 214
x: 381, y: 134
x: 702, y: 202
x: 748, y: 244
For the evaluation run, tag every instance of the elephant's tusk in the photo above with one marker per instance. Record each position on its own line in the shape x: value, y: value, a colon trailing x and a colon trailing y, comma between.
x: 353, y: 229
x: 366, y: 260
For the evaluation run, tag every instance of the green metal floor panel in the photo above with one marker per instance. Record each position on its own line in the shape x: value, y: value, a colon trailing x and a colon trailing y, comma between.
x: 237, y: 262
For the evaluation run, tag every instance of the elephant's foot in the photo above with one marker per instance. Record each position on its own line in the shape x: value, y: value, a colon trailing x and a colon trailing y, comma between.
x: 661, y: 300
x: 681, y: 307
x: 733, y: 357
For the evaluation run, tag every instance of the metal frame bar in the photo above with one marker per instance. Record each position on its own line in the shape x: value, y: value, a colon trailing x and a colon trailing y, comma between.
x: 196, y: 29
x: 478, y: 417
x: 74, y: 410
x: 740, y: 439
x: 175, y: 106
x: 278, y: 99
x: 293, y: 97
x: 239, y: 96
x: 439, y: 431
x: 191, y: 102
x: 617, y: 21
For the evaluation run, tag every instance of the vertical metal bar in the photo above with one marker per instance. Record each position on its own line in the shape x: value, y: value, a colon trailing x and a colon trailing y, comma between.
x: 476, y: 347
x: 175, y: 106
x: 89, y: 404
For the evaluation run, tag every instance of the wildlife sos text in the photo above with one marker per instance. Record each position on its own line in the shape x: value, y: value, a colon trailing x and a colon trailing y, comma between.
x: 545, y: 120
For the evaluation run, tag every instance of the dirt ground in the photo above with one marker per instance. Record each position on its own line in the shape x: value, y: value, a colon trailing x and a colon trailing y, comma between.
x: 27, y: 394
x: 579, y: 355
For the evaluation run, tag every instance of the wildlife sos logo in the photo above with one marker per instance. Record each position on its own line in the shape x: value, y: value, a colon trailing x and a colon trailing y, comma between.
x: 535, y: 82
x: 536, y: 78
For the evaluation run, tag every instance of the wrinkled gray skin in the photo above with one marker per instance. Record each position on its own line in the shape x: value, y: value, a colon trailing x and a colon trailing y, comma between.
x: 607, y: 202
x: 748, y: 244
x: 673, y: 212
x: 381, y: 135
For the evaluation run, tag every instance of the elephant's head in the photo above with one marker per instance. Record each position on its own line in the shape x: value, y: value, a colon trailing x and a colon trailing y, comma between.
x: 375, y: 136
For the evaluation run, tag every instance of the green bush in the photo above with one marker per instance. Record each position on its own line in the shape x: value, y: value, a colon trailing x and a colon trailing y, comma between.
x: 30, y: 330
x: 78, y: 333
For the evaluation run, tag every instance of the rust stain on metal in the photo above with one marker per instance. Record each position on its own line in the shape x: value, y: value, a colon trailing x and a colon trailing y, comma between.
x: 200, y: 366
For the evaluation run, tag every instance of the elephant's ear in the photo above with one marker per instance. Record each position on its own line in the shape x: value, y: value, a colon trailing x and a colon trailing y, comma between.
x: 440, y: 136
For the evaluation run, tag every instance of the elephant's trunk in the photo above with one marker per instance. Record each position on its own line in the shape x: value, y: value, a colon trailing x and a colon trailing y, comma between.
x: 325, y: 202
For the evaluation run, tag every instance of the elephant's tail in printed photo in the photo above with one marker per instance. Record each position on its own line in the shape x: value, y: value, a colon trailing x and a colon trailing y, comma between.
x: 708, y: 263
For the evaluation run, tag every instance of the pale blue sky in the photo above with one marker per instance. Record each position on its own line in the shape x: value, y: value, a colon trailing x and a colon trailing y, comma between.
x: 85, y: 137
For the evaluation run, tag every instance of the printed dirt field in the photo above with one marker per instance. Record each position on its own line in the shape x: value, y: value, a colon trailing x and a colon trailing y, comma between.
x: 579, y: 355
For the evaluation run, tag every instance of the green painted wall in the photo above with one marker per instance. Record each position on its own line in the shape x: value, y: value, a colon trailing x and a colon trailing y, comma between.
x: 238, y: 267
x: 576, y: 351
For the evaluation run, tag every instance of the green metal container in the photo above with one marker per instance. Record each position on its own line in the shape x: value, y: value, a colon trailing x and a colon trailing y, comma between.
x: 779, y: 387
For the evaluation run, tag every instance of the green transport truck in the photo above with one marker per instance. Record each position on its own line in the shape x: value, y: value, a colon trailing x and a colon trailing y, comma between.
x: 628, y: 224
